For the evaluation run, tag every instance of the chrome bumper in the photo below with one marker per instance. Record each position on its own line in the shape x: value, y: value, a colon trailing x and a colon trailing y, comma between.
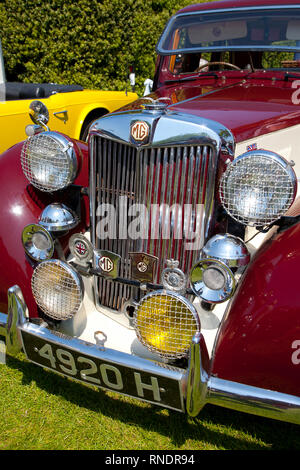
x: 197, y: 388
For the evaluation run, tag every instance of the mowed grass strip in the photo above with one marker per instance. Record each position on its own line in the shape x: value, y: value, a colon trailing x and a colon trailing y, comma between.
x: 41, y: 410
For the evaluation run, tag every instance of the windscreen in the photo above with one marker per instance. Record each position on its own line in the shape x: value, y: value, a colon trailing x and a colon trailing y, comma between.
x: 256, y: 29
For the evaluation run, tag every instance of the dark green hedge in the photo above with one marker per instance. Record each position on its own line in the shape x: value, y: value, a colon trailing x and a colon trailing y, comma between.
x: 87, y: 42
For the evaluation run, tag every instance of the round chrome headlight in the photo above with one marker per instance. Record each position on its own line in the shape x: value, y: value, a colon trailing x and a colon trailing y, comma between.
x: 258, y: 187
x: 49, y: 161
x: 165, y: 323
x: 57, y: 289
x: 212, y: 280
x: 58, y: 217
x: 37, y: 242
x: 227, y: 248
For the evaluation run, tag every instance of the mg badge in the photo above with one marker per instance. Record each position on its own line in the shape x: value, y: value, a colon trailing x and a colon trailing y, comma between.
x: 107, y: 263
x: 140, y: 131
x: 142, y: 266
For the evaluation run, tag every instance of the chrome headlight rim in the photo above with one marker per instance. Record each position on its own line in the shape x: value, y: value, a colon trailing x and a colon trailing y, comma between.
x: 34, y: 252
x: 266, y: 156
x: 227, y: 248
x: 57, y: 217
x: 77, y: 281
x: 213, y: 296
x: 33, y: 165
x: 171, y: 356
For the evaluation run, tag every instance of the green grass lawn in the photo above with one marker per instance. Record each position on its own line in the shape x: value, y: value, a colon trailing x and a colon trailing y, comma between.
x: 40, y: 410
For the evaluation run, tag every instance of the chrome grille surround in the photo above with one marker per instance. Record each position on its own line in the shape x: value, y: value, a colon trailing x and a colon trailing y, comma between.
x: 177, y: 165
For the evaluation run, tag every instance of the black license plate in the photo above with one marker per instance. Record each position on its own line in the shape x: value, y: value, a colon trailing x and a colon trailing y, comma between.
x: 154, y: 388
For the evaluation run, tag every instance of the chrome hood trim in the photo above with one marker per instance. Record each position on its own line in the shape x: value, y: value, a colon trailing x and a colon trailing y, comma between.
x: 167, y: 127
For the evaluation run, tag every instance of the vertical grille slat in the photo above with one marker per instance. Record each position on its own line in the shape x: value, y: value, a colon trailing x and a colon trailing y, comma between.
x: 163, y: 201
x: 177, y: 225
x: 188, y: 199
x: 170, y: 202
x: 173, y: 176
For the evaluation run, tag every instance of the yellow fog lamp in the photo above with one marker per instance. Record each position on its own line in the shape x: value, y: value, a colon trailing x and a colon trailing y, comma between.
x: 165, y: 323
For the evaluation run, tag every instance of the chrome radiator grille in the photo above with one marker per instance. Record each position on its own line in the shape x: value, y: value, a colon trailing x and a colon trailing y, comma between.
x: 152, y: 177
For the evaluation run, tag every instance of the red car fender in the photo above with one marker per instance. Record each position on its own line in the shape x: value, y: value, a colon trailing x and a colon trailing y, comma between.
x: 259, y: 341
x: 21, y: 204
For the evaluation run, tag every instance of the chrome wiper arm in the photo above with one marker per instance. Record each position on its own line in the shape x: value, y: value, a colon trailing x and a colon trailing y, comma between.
x: 270, y: 76
x: 192, y: 78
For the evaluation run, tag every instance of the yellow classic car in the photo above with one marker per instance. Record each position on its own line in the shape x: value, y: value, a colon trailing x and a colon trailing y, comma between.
x: 71, y: 108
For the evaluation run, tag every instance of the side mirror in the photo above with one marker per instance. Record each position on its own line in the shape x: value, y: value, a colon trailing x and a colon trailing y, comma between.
x: 39, y: 114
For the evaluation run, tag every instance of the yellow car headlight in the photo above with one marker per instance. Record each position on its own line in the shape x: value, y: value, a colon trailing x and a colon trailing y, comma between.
x: 165, y: 323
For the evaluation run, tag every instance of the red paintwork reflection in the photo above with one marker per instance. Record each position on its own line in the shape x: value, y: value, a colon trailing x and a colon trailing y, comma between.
x: 255, y: 342
x: 249, y: 109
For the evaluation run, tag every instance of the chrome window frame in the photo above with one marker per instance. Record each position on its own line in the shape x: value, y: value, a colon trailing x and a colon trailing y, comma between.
x: 166, y: 52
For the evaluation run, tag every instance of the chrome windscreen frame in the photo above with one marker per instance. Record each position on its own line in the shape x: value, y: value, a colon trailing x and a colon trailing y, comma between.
x: 166, y: 52
x: 168, y: 128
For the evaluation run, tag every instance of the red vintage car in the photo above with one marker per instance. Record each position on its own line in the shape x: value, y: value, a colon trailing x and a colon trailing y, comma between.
x: 161, y: 259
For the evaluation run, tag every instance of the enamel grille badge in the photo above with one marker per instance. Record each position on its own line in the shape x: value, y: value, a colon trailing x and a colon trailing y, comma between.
x: 81, y: 248
x: 107, y: 263
x: 142, y: 266
x: 139, y: 132
x: 251, y: 147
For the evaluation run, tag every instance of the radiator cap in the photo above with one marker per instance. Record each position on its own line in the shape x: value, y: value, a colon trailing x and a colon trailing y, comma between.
x: 156, y: 105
